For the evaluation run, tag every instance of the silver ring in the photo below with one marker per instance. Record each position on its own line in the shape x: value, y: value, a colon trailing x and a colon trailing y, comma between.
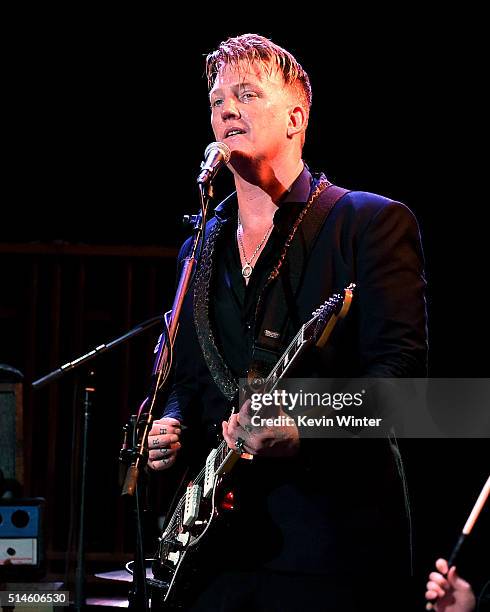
x: 164, y: 451
x: 239, y: 445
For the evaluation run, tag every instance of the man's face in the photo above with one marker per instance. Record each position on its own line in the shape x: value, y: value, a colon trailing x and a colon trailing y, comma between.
x: 250, y: 111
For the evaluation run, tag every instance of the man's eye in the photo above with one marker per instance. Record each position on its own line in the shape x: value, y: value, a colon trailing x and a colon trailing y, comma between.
x: 249, y: 95
x: 217, y: 102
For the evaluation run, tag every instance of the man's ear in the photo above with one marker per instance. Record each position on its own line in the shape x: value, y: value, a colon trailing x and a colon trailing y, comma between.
x: 298, y: 118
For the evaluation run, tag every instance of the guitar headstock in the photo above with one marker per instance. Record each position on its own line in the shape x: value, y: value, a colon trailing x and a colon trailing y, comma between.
x: 325, y: 316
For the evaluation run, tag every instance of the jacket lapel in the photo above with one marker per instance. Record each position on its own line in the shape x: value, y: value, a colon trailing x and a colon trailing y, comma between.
x: 220, y: 372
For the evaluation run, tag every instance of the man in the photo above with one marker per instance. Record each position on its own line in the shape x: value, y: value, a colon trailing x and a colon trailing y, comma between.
x: 315, y: 524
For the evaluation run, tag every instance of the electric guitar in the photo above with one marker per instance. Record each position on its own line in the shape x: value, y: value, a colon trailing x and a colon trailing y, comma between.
x: 201, y: 505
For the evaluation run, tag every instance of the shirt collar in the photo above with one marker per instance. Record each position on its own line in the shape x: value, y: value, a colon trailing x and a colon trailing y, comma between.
x: 299, y: 190
x: 296, y: 195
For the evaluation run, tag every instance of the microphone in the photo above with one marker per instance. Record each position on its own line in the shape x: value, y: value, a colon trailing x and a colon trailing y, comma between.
x: 216, y: 154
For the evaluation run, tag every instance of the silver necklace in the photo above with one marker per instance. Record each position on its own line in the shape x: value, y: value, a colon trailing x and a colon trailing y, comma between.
x: 247, y: 269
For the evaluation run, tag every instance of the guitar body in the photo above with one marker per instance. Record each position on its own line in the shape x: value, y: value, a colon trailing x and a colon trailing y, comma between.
x: 179, y: 559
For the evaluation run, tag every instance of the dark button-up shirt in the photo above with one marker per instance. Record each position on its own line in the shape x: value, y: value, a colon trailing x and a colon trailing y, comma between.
x: 233, y: 303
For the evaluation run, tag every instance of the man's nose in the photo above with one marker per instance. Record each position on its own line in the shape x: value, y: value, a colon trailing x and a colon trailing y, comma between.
x: 229, y: 109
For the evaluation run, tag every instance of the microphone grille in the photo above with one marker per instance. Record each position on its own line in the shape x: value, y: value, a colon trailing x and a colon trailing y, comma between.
x: 222, y: 147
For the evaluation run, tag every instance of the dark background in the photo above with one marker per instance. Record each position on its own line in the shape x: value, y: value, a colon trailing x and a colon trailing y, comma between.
x: 106, y: 126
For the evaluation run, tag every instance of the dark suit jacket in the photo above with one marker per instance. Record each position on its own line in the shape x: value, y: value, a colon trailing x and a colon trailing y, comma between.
x: 335, y: 499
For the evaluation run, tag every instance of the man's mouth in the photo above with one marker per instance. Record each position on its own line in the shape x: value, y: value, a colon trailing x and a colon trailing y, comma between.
x: 233, y: 132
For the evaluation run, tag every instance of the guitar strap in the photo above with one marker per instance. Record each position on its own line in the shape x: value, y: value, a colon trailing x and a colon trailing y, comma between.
x: 279, y: 309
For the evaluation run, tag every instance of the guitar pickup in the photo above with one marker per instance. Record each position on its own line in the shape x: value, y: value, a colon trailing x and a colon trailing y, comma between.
x: 191, y: 506
x: 209, y: 474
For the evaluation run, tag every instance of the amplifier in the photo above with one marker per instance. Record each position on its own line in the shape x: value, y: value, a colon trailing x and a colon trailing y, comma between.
x: 11, y: 455
x: 21, y: 537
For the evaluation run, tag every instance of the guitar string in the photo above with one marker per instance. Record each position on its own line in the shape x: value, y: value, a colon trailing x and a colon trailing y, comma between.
x: 177, y: 516
x: 219, y: 451
x: 222, y: 446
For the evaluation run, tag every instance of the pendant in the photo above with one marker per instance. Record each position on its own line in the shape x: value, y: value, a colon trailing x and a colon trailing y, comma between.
x: 246, y: 270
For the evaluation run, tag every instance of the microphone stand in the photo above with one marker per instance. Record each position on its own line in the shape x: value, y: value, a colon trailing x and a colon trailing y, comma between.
x: 98, y: 350
x: 138, y: 454
x: 89, y: 390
